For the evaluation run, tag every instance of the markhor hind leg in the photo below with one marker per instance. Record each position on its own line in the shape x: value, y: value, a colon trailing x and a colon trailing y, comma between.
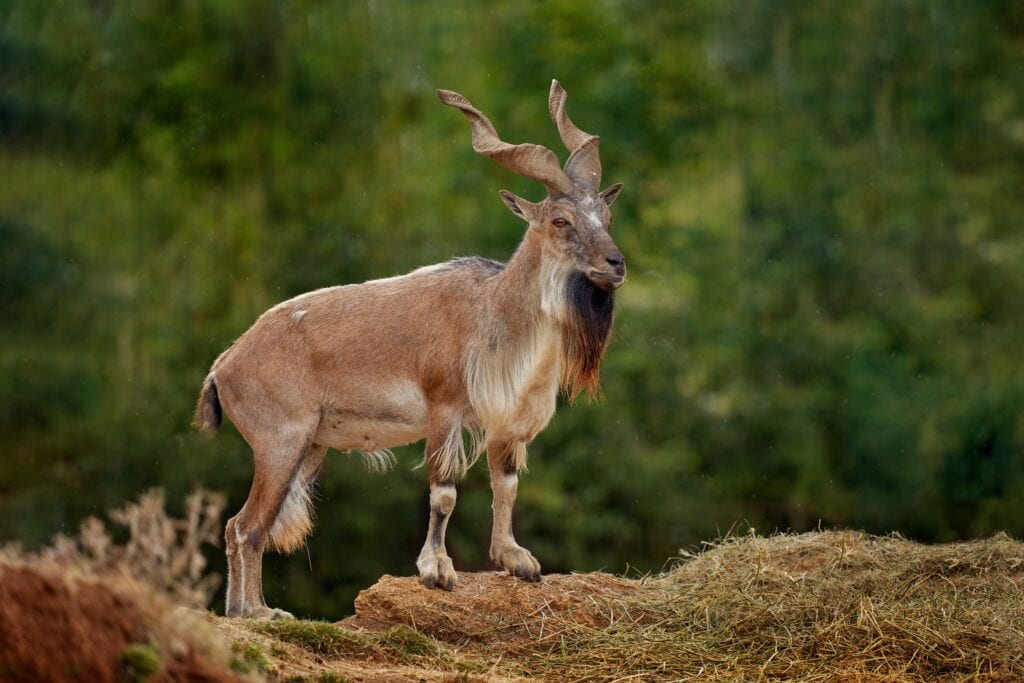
x: 504, y: 462
x: 276, y: 512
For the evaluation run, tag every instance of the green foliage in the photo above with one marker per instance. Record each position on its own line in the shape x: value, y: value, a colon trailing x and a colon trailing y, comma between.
x: 140, y: 662
x: 329, y: 677
x: 407, y: 643
x: 400, y: 643
x: 316, y: 636
x: 822, y: 222
x: 247, y: 657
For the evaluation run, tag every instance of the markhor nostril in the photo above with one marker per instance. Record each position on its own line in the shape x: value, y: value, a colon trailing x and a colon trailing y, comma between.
x: 617, y: 262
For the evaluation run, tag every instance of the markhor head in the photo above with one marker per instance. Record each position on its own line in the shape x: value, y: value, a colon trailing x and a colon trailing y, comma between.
x: 575, y: 217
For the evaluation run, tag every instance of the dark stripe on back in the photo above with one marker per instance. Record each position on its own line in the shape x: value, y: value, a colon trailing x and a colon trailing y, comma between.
x: 491, y: 266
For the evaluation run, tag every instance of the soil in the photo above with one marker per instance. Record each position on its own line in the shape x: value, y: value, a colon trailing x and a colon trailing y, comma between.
x: 488, y: 607
x: 479, y: 631
x: 56, y: 625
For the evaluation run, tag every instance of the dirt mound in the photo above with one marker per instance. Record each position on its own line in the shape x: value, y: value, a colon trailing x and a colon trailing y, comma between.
x: 490, y: 607
x: 484, y: 630
x: 57, y: 625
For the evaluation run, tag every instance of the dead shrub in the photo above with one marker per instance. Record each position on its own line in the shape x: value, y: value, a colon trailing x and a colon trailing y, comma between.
x: 161, y: 551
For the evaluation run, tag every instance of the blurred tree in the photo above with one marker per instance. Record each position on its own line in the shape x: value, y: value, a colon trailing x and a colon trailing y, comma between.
x: 822, y: 220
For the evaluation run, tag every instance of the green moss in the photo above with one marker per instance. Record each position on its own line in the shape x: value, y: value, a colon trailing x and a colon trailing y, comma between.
x: 328, y: 677
x: 464, y: 677
x: 279, y: 651
x: 465, y: 667
x: 407, y: 642
x: 248, y: 656
x: 325, y: 677
x: 316, y: 636
x: 140, y: 662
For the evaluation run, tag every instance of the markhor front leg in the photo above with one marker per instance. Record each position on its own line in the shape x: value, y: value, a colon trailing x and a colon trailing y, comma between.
x: 504, y: 463
x: 434, y: 565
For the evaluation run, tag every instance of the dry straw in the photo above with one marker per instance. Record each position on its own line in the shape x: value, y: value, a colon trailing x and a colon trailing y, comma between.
x: 822, y: 606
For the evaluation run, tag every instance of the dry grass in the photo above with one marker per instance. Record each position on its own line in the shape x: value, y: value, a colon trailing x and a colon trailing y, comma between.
x: 823, y: 606
x: 812, y: 607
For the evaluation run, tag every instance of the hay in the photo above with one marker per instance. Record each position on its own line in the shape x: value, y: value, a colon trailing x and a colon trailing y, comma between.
x: 821, y: 606
x: 824, y: 606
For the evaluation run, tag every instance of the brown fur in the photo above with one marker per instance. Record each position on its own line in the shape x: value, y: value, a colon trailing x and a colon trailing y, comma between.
x: 471, y: 345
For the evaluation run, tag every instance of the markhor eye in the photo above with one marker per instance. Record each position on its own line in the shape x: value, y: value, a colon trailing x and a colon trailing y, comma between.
x: 560, y: 222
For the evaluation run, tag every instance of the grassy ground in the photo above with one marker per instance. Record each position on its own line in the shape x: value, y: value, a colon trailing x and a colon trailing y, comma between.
x: 813, y: 607
x: 821, y: 606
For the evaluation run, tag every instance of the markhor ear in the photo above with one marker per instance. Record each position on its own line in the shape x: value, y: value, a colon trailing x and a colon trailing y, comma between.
x: 611, y: 194
x: 524, y: 209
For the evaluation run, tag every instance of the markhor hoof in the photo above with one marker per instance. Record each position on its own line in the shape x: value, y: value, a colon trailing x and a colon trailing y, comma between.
x: 431, y: 582
x: 263, y: 612
x: 278, y: 614
x: 445, y: 584
x: 526, y: 573
x: 436, y: 571
x: 518, y: 561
